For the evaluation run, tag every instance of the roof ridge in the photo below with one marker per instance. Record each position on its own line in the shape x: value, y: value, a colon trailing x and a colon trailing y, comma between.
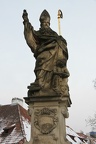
x: 21, y: 123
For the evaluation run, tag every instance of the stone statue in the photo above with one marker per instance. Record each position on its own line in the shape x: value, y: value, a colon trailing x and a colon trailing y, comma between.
x: 51, y: 54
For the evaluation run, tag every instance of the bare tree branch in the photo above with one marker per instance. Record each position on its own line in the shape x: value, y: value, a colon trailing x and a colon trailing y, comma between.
x: 94, y: 81
x: 91, y: 121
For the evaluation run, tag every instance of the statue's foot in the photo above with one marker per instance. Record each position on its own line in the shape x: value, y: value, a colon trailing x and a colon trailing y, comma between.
x: 42, y: 92
x: 47, y: 92
x: 34, y: 87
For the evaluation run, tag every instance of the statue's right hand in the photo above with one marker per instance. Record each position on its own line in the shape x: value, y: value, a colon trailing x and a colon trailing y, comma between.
x: 25, y: 15
x: 27, y: 24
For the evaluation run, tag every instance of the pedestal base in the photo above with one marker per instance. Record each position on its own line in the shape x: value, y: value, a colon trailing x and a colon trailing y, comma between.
x: 48, y: 116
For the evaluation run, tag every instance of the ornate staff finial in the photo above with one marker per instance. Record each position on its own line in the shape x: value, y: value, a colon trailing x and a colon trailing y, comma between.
x: 60, y: 15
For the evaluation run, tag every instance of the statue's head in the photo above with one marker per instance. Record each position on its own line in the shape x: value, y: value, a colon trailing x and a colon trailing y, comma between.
x: 45, y: 19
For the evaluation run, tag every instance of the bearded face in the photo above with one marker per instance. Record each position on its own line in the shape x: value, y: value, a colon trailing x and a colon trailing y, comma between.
x: 45, y: 23
x: 45, y: 30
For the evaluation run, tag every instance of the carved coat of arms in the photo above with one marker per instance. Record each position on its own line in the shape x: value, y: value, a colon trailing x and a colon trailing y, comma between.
x: 45, y: 120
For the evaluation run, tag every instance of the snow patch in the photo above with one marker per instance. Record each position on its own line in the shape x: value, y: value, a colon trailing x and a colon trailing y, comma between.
x: 27, y: 128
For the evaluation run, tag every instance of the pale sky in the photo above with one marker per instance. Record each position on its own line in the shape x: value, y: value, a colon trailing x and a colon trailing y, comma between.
x: 78, y: 27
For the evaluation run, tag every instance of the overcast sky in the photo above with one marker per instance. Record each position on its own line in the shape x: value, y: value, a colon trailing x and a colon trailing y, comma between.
x: 78, y: 27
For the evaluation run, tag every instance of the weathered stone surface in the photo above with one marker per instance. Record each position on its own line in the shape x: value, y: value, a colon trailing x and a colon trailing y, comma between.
x: 51, y: 54
x: 48, y: 122
x: 48, y: 97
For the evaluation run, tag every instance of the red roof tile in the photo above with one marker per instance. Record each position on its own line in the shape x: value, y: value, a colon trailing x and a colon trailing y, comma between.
x: 11, y: 124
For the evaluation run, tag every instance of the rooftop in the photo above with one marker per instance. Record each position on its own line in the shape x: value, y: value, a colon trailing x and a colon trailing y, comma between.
x: 14, y: 124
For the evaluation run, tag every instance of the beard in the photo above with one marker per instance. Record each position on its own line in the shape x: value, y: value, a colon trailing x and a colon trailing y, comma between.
x: 47, y: 31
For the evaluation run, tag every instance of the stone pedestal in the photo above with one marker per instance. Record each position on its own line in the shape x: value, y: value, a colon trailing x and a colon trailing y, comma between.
x: 48, y: 96
x: 48, y: 116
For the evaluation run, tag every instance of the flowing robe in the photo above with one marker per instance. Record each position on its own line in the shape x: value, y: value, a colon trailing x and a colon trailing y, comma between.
x: 50, y: 51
